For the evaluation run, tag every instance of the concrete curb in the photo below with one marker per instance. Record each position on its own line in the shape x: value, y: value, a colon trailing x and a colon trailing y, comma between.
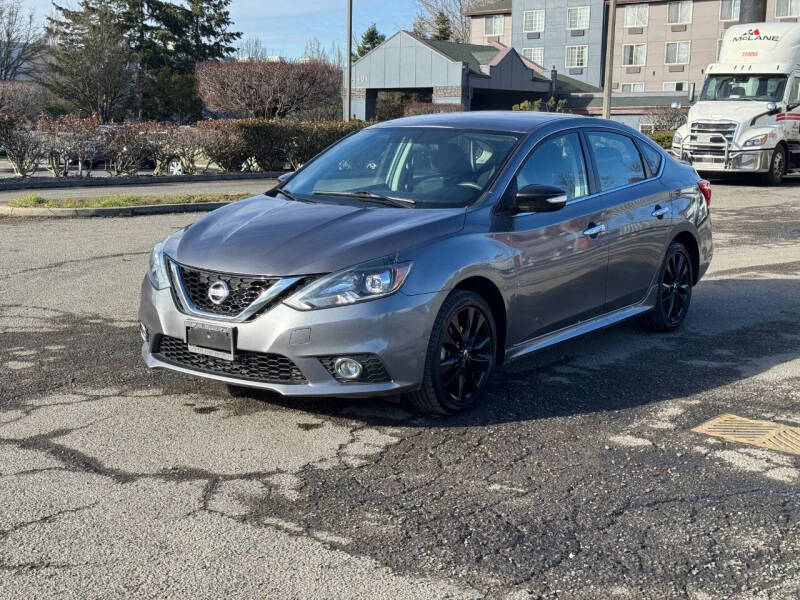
x: 120, y: 211
x: 49, y: 183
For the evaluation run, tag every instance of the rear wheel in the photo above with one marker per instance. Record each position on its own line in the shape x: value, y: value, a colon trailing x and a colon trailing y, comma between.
x: 461, y: 356
x: 674, y: 291
x: 777, y: 167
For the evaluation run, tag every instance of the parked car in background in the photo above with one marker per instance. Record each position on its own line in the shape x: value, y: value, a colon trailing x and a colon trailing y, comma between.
x: 417, y: 255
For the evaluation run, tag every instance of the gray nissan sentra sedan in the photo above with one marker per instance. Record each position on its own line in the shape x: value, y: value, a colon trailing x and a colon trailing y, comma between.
x: 417, y: 255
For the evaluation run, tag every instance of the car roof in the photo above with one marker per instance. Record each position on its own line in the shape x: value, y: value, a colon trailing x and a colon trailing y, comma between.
x: 512, y: 121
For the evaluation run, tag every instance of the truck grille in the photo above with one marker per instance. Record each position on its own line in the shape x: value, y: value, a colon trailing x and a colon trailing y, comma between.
x: 243, y: 290
x: 725, y: 129
x: 252, y: 366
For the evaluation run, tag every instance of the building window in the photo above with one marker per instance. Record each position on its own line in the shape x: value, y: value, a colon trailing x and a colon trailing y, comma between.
x: 533, y: 21
x: 493, y: 25
x: 679, y: 13
x: 729, y: 10
x: 676, y: 86
x: 576, y: 57
x: 634, y: 55
x: 578, y: 17
x: 787, y: 8
x: 636, y: 15
x: 534, y: 54
x: 635, y: 88
x: 677, y: 53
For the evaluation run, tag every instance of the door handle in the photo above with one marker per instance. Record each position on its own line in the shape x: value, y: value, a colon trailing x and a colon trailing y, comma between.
x: 660, y: 211
x: 594, y: 230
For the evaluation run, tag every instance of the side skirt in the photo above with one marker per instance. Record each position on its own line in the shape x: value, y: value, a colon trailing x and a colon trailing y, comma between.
x: 567, y: 333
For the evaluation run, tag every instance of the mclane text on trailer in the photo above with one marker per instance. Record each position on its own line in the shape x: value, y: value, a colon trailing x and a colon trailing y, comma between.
x: 747, y: 119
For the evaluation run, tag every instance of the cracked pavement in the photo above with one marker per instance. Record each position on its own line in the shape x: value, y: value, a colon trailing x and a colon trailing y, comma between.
x: 580, y: 478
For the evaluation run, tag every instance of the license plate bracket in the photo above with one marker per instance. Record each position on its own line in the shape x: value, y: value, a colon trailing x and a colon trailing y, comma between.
x: 217, y: 341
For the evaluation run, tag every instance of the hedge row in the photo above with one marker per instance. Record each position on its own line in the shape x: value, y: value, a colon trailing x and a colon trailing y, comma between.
x: 233, y: 145
x: 662, y: 138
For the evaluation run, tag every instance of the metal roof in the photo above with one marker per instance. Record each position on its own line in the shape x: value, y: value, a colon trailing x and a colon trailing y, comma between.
x: 503, y: 6
x: 512, y: 121
x: 473, y: 54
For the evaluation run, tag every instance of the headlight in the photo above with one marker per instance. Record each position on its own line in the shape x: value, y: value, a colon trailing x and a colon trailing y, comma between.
x: 369, y: 281
x: 756, y: 141
x: 677, y: 139
x: 157, y: 272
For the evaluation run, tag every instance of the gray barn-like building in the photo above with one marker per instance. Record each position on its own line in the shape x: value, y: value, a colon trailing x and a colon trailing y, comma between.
x: 479, y: 77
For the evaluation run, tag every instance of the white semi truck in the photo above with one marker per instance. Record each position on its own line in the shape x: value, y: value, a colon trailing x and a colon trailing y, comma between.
x: 747, y: 118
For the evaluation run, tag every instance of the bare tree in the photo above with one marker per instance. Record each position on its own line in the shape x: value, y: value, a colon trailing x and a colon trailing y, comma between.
x: 23, y: 99
x: 665, y: 118
x: 21, y: 42
x: 268, y: 89
x: 453, y: 10
x: 251, y: 48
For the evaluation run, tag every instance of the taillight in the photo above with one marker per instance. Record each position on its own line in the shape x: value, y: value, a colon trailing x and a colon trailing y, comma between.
x: 705, y: 189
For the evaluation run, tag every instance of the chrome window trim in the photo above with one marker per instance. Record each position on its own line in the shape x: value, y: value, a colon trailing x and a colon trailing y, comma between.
x: 189, y: 308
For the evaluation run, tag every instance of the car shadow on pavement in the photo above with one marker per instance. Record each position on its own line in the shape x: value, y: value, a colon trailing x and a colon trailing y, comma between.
x: 737, y: 328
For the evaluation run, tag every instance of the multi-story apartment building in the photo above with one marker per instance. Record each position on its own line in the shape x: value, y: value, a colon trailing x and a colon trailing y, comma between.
x: 563, y: 34
x: 666, y: 46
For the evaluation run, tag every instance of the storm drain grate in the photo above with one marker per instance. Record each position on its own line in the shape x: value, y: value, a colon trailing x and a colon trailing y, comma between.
x: 763, y: 434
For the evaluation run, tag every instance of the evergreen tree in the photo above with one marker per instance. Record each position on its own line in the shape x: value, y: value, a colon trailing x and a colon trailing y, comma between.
x: 372, y: 38
x: 91, y: 64
x: 204, y: 30
x: 443, y: 30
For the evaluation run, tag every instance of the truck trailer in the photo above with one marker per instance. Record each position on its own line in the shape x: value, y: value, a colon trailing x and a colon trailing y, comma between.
x: 747, y: 118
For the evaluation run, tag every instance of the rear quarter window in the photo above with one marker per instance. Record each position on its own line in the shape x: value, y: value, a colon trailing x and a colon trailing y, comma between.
x: 652, y: 157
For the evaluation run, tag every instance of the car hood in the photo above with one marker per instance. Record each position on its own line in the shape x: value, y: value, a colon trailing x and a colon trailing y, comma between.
x: 731, y: 110
x: 272, y: 236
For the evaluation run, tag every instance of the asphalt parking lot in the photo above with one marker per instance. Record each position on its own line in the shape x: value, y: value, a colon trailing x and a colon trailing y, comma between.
x: 579, y: 479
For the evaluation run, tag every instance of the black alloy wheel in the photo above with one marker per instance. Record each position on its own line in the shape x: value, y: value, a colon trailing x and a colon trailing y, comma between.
x: 674, y: 291
x: 461, y: 357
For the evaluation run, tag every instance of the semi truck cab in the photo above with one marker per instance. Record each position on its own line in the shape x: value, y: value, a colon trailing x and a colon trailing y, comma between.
x: 747, y: 118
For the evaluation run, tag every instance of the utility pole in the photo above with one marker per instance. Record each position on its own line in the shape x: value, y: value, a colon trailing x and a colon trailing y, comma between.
x: 348, y: 95
x: 609, y: 75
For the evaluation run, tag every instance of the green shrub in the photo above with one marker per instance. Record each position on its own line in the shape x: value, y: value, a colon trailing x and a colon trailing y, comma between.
x: 224, y: 144
x: 662, y: 138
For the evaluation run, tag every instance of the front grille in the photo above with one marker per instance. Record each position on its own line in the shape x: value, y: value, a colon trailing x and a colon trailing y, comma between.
x: 374, y: 371
x: 252, y: 366
x: 725, y: 129
x: 705, y: 150
x: 244, y: 290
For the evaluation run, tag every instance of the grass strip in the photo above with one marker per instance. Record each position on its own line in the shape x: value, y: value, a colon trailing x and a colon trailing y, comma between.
x: 120, y: 200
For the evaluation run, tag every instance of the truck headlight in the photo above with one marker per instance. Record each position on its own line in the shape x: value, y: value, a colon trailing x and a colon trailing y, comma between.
x: 157, y: 271
x: 677, y: 139
x: 369, y: 281
x: 756, y: 141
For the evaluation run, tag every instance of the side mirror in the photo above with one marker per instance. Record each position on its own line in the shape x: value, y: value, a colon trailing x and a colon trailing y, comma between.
x: 774, y: 108
x: 285, y: 177
x: 540, y: 198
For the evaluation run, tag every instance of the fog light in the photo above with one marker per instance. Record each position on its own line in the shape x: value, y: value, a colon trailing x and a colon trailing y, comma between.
x: 348, y: 368
x: 145, y: 335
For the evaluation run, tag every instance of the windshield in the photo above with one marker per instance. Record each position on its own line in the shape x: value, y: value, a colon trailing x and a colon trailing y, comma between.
x: 764, y: 88
x: 432, y: 166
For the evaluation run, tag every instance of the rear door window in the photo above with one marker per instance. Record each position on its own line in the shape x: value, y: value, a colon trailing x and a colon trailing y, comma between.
x: 618, y: 161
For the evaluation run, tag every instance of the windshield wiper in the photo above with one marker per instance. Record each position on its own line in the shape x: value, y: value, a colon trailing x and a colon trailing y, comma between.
x: 288, y: 194
x: 371, y: 196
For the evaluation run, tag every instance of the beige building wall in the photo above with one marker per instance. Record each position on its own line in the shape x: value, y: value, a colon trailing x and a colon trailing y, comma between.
x: 704, y: 33
x: 477, y: 35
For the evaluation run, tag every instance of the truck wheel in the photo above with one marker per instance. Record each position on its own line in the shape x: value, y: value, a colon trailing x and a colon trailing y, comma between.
x: 777, y: 168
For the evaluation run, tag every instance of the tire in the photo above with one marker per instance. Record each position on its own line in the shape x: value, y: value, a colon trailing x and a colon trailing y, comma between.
x: 777, y: 168
x: 461, y: 356
x: 674, y: 292
x: 175, y: 166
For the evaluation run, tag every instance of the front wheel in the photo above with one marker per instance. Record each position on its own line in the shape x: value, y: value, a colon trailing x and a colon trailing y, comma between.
x: 461, y: 357
x: 674, y: 291
x: 777, y: 168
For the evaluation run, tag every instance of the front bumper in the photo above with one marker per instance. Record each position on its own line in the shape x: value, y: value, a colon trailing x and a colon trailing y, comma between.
x: 396, y: 329
x: 725, y: 159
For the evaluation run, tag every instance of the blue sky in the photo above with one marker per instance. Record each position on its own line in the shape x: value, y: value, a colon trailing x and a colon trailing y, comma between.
x: 284, y: 26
